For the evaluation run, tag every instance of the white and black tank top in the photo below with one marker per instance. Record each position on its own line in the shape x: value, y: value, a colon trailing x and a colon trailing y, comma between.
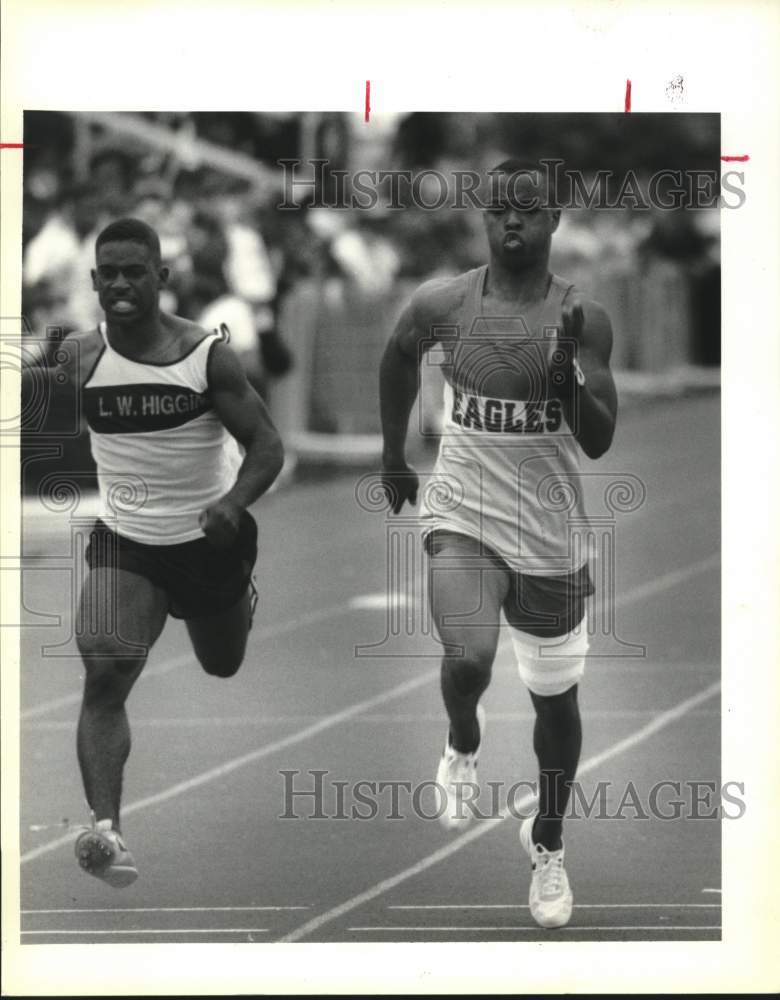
x: 162, y: 453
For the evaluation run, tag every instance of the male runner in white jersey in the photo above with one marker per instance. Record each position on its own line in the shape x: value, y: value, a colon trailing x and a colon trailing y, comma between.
x: 527, y: 385
x: 165, y: 403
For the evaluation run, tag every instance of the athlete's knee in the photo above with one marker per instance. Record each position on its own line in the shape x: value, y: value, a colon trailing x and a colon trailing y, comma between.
x: 110, y: 668
x: 552, y: 667
x: 221, y: 665
x: 557, y: 708
x: 97, y: 648
x: 469, y: 669
x: 107, y: 684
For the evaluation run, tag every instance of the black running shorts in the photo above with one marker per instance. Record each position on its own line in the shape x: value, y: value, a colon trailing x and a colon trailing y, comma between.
x: 199, y: 579
x: 544, y: 606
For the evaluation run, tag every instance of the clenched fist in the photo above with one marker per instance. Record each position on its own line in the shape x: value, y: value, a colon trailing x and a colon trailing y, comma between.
x: 563, y: 366
x: 400, y: 483
x: 220, y: 522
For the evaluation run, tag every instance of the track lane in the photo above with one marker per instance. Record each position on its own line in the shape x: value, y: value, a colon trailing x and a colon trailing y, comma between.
x: 308, y: 674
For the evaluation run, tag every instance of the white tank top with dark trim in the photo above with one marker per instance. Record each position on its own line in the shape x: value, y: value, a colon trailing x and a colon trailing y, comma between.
x: 508, y: 469
x: 162, y: 453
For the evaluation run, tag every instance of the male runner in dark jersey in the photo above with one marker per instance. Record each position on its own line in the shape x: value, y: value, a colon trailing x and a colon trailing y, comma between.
x: 527, y: 386
x: 165, y: 403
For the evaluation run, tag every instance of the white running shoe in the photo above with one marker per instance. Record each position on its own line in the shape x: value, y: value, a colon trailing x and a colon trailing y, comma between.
x: 456, y: 771
x: 101, y: 852
x: 550, y: 896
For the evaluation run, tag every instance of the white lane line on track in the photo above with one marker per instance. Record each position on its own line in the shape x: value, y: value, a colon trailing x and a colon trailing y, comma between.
x: 166, y: 930
x: 667, y: 580
x: 157, y: 669
x: 524, y: 906
x: 163, y: 668
x: 582, y: 930
x: 378, y: 601
x: 55, y: 725
x: 329, y: 721
x: 182, y: 909
x: 487, y: 826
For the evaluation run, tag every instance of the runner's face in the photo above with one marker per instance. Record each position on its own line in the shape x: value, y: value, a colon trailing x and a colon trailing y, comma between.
x: 128, y: 280
x: 519, y: 230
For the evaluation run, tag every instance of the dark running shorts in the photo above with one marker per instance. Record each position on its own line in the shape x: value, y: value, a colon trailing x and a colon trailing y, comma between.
x: 544, y: 606
x: 199, y: 579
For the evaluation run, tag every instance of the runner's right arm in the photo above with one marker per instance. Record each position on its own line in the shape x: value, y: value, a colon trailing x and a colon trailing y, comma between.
x: 398, y: 387
x: 49, y: 366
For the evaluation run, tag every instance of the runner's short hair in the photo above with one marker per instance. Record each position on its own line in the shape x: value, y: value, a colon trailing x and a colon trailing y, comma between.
x: 541, y: 173
x: 133, y: 231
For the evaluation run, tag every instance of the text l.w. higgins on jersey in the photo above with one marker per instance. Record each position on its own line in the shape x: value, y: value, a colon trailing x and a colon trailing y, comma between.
x: 135, y: 409
x: 505, y: 416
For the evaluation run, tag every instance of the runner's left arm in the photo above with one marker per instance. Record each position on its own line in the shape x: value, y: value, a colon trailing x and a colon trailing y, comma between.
x: 581, y: 376
x: 245, y: 416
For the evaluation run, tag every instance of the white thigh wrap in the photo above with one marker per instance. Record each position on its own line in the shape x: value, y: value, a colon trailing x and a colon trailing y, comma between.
x: 551, y: 666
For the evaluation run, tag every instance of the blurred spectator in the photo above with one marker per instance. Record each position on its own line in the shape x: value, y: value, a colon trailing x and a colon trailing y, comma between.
x: 681, y: 236
x: 50, y: 253
x: 298, y: 249
x: 420, y: 139
x: 61, y: 255
x: 438, y: 244
x: 44, y: 308
x: 153, y: 203
x: 92, y: 211
x: 212, y: 302
x: 675, y: 236
x: 365, y: 252
x: 332, y: 144
x: 248, y: 269
x: 111, y: 172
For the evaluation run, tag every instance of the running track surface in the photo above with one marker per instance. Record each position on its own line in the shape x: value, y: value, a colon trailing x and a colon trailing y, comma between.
x: 203, y: 789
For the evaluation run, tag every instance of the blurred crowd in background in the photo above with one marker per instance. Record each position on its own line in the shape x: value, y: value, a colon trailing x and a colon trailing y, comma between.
x: 210, y: 184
